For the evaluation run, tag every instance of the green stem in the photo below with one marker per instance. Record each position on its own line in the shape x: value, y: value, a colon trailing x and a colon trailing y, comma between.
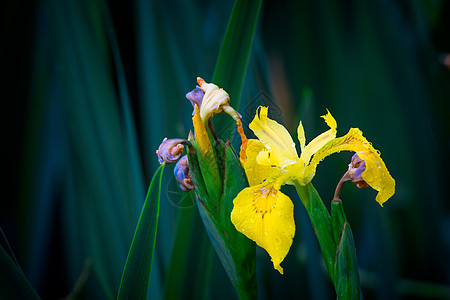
x: 321, y: 222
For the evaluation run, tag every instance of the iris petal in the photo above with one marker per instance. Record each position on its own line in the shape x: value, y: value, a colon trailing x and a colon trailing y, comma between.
x: 376, y: 173
x: 275, y: 138
x: 256, y: 173
x: 266, y: 217
x: 319, y: 141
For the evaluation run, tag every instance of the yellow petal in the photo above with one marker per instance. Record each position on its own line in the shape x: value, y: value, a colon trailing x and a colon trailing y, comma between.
x: 256, y: 173
x: 320, y: 140
x: 376, y: 173
x: 201, y: 136
x: 266, y: 217
x: 331, y: 122
x: 275, y: 138
x: 301, y: 136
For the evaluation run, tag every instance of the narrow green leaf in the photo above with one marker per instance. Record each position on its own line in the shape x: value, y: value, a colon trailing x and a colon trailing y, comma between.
x: 7, y: 247
x: 236, y: 252
x: 136, y: 274
x: 346, y: 268
x: 129, y: 126
x: 179, y: 258
x: 233, y: 58
x: 13, y: 283
x: 242, y: 249
x: 235, y: 51
x: 337, y: 219
x: 321, y: 221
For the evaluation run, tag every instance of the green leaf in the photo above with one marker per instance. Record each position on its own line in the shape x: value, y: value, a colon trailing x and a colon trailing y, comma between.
x: 235, y: 51
x: 235, y: 251
x: 136, y: 274
x: 242, y: 249
x: 234, y: 54
x: 337, y: 219
x: 346, y: 268
x: 321, y: 221
x: 7, y: 247
x: 13, y: 283
x: 179, y: 258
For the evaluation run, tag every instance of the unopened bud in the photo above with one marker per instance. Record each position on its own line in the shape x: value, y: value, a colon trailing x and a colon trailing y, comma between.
x: 196, y: 97
x: 355, y: 170
x: 354, y: 173
x: 183, y: 174
x: 171, y: 150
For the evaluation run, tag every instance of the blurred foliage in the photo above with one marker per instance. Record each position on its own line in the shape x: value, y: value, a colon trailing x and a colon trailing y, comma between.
x: 92, y: 87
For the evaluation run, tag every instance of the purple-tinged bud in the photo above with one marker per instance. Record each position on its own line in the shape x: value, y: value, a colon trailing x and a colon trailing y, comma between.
x: 355, y: 170
x: 183, y: 174
x: 171, y: 150
x: 354, y: 173
x: 196, y: 97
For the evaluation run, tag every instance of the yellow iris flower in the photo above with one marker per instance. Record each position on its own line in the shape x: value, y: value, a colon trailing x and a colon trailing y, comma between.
x: 262, y: 212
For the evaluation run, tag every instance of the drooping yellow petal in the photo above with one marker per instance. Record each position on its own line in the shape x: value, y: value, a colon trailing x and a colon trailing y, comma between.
x: 275, y: 138
x: 266, y: 217
x: 376, y: 173
x: 256, y: 173
x: 320, y: 140
x: 201, y: 136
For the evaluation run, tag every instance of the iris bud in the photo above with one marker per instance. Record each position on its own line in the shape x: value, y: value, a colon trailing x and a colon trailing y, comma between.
x: 183, y: 174
x: 196, y: 97
x: 355, y: 170
x: 171, y: 150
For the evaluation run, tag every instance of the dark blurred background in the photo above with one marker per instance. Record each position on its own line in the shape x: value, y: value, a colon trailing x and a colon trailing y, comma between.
x: 91, y: 88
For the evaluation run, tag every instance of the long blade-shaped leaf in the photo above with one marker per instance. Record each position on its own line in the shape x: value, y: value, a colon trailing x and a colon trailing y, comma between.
x: 234, y: 54
x: 346, y: 268
x: 321, y: 222
x: 13, y: 283
x: 136, y: 274
x: 235, y: 51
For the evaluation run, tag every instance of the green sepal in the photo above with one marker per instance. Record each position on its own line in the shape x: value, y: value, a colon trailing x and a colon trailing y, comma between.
x: 236, y: 252
x: 346, y: 268
x: 196, y: 174
x: 219, y: 151
x: 210, y: 174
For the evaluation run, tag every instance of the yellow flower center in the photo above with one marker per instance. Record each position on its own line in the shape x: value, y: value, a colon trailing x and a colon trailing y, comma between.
x: 266, y: 201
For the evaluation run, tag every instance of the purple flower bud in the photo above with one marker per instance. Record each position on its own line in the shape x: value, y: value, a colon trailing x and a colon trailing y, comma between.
x: 171, y: 150
x: 355, y: 170
x: 183, y: 174
x: 354, y: 173
x: 196, y: 97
